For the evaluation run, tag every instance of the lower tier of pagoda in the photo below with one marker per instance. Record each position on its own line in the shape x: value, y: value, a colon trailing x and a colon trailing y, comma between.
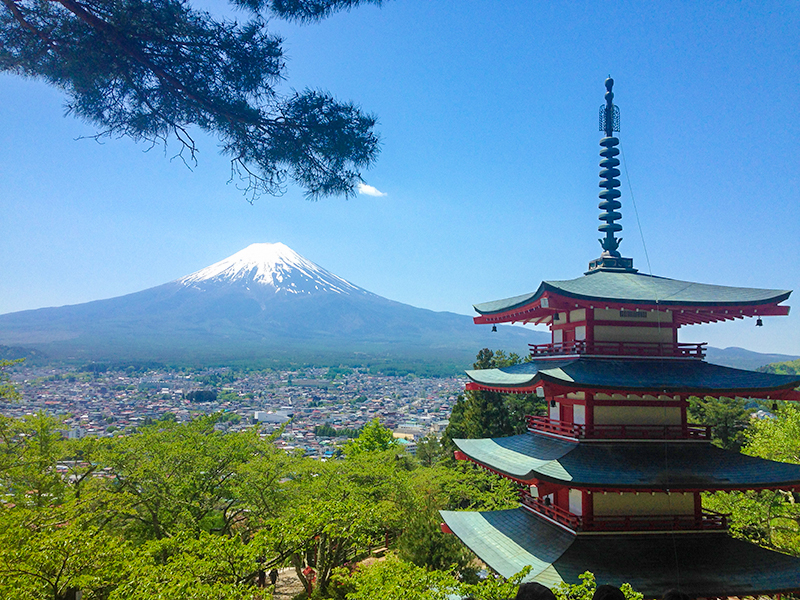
x: 702, y: 564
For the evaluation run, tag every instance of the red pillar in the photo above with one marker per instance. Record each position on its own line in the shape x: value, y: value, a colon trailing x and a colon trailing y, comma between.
x: 589, y: 413
x: 587, y: 501
x: 684, y: 419
x: 698, y: 509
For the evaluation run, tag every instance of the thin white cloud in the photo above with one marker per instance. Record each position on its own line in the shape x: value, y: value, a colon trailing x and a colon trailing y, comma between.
x: 368, y: 190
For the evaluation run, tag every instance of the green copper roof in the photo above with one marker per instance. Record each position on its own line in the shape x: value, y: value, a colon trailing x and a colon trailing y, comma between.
x: 672, y: 376
x: 701, y: 565
x: 628, y: 465
x: 506, y: 541
x: 641, y: 289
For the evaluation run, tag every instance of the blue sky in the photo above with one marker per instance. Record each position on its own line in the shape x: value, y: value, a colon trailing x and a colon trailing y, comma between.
x: 489, y: 163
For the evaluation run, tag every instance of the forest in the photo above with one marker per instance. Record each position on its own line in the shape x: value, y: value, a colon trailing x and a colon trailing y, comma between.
x: 179, y: 511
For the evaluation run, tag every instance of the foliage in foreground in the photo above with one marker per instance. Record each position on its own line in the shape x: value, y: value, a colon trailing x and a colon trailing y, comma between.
x: 184, y: 511
x: 400, y: 580
x: 769, y: 518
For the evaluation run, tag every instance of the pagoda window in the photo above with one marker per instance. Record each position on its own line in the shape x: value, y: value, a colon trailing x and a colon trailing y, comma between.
x: 580, y: 333
x: 555, y: 412
x: 558, y: 336
x: 579, y: 414
x: 576, y: 502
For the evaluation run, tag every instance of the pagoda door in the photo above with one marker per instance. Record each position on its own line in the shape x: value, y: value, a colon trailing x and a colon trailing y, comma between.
x: 568, y: 337
x: 567, y: 414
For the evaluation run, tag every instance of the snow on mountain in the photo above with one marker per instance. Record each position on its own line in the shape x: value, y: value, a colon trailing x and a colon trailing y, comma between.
x: 272, y: 265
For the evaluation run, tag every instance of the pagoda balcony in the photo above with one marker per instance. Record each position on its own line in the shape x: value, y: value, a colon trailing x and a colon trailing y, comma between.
x: 550, y: 511
x: 708, y: 520
x: 631, y: 349
x: 618, y: 432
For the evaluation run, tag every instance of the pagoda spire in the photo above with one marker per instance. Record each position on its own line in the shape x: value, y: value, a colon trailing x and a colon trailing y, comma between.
x: 610, y: 259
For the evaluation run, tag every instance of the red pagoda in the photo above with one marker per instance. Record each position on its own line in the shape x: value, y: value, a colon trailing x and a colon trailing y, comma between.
x: 611, y: 479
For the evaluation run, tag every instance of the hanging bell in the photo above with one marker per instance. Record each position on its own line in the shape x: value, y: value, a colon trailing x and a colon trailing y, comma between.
x: 494, y: 328
x: 759, y: 322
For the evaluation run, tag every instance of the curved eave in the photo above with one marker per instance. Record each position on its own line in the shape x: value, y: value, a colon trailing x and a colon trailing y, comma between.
x: 558, y: 389
x: 619, y: 375
x: 634, y: 466
x: 708, y: 565
x: 730, y: 303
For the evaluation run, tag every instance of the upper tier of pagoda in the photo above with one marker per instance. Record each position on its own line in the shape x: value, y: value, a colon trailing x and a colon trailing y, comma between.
x: 688, y: 303
x: 579, y: 306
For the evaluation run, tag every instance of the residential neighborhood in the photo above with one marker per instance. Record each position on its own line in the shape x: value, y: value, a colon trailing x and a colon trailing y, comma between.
x: 107, y: 402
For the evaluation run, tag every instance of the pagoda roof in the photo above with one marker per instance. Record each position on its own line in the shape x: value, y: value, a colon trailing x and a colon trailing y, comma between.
x: 701, y: 564
x: 668, y: 376
x: 672, y: 465
x: 634, y: 289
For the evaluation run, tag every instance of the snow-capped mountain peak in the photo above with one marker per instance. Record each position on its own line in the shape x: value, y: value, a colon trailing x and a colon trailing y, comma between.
x: 271, y: 265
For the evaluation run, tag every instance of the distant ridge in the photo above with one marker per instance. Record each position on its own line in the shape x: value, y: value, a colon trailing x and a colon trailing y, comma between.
x: 740, y: 358
x: 261, y: 304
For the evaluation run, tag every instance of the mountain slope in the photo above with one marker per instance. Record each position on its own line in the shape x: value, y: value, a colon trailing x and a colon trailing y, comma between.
x: 263, y: 301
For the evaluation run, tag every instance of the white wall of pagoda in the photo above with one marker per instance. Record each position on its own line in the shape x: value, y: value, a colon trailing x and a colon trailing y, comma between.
x: 576, y: 502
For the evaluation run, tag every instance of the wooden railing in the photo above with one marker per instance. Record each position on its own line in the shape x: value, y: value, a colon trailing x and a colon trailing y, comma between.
x: 552, y: 511
x: 619, y: 432
x: 708, y: 520
x: 671, y: 349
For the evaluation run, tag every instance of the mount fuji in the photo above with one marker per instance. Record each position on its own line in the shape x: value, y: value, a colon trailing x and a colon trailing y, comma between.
x: 263, y: 304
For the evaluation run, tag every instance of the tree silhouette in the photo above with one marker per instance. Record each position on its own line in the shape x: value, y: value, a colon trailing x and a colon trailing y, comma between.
x: 159, y: 70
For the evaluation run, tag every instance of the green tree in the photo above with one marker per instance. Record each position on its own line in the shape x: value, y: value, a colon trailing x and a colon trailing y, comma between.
x: 155, y: 70
x: 173, y: 477
x: 50, y: 552
x: 29, y: 450
x: 7, y: 389
x: 198, y: 568
x: 769, y: 518
x: 338, y: 507
x: 430, y: 450
x: 479, y: 414
x: 791, y: 367
x: 728, y: 417
x: 445, y: 487
x: 374, y: 437
x: 586, y: 588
